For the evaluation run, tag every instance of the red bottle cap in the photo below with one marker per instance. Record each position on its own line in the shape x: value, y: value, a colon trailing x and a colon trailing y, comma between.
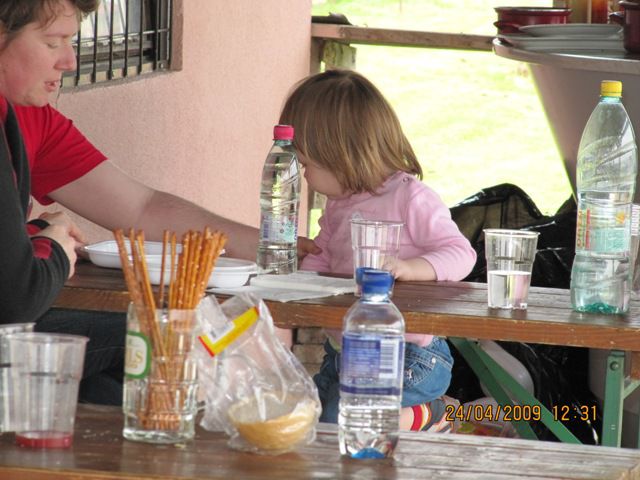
x: 283, y: 132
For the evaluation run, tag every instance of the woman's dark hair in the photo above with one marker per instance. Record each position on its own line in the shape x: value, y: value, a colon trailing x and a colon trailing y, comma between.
x: 15, y: 14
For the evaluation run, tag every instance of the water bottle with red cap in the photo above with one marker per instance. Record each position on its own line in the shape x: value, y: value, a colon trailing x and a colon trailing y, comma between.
x: 279, y: 204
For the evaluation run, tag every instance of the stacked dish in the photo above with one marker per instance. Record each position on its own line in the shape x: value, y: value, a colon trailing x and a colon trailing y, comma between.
x: 566, y: 38
x: 227, y: 272
x: 105, y: 254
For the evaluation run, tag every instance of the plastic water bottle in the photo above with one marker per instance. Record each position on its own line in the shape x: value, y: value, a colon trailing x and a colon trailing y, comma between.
x: 371, y: 371
x: 606, y: 179
x: 279, y: 203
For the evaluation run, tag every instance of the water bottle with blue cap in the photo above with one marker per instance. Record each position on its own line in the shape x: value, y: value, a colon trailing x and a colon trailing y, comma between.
x: 371, y: 371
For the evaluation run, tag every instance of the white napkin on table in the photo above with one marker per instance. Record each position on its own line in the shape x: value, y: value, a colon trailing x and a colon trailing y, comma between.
x: 294, y: 286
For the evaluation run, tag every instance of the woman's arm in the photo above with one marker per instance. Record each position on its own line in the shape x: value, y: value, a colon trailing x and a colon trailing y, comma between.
x: 34, y: 266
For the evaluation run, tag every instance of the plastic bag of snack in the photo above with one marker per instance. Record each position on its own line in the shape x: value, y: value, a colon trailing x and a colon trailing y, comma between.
x: 256, y: 390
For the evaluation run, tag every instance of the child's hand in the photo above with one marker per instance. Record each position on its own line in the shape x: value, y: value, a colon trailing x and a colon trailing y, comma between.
x: 307, y: 246
x: 399, y: 268
x: 413, y: 269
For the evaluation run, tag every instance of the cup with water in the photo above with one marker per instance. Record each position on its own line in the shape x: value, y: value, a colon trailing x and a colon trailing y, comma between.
x: 510, y: 255
x: 375, y: 244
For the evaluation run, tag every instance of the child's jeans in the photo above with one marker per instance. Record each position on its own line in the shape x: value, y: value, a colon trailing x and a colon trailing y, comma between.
x: 427, y: 374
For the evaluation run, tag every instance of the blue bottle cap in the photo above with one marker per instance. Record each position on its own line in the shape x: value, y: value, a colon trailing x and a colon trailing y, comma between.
x: 374, y: 281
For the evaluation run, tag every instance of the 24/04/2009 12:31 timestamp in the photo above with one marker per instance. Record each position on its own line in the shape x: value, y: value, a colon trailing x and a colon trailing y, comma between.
x: 527, y: 413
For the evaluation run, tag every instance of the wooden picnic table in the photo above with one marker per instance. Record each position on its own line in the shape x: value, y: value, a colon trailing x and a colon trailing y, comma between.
x: 454, y: 309
x: 99, y: 452
x: 441, y: 308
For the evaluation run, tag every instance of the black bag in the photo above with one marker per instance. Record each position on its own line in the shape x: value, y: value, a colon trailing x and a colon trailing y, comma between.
x: 507, y: 206
x: 560, y: 374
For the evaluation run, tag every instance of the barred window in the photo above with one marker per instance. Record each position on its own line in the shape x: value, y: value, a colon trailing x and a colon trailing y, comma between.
x: 123, y: 38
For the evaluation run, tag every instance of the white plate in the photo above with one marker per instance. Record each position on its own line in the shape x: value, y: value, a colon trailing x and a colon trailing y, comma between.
x: 581, y: 30
x: 227, y: 273
x: 564, y: 44
x: 105, y: 254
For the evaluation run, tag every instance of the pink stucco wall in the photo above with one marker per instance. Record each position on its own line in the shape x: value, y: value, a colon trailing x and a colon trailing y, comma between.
x: 203, y: 132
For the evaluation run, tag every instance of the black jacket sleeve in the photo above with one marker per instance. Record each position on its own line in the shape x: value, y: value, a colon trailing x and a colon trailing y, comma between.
x: 33, y: 269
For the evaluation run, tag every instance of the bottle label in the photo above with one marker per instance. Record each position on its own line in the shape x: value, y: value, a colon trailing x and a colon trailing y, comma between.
x: 278, y: 229
x: 372, y: 364
x: 604, y: 233
x: 137, y: 362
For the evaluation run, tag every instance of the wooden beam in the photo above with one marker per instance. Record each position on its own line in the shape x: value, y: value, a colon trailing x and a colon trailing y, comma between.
x: 401, y: 38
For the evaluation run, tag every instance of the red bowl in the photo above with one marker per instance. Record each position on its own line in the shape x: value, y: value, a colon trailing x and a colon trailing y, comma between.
x: 629, y: 18
x: 510, y: 19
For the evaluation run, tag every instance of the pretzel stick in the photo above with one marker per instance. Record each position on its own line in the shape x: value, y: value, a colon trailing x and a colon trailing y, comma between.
x: 194, y: 267
x: 159, y: 401
x: 202, y: 279
x: 182, y: 267
x: 172, y: 279
x: 165, y: 241
x: 129, y: 275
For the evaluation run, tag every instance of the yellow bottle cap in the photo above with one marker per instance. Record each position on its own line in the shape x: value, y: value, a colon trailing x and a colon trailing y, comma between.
x: 611, y: 88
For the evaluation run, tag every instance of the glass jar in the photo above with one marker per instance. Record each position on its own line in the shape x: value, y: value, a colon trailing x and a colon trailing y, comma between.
x: 160, y: 384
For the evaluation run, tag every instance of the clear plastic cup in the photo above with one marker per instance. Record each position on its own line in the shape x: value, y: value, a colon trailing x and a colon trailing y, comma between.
x: 5, y: 372
x: 375, y: 244
x: 510, y: 255
x: 45, y: 375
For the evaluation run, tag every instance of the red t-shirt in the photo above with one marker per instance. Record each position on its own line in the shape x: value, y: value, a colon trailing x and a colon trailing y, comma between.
x: 58, y: 153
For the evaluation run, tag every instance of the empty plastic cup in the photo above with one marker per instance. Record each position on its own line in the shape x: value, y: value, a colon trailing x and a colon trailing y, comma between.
x: 45, y: 375
x: 375, y: 244
x: 510, y: 255
x: 5, y: 372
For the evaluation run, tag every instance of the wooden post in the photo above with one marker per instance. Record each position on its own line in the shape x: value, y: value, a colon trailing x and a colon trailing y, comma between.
x: 315, y: 60
x: 338, y: 55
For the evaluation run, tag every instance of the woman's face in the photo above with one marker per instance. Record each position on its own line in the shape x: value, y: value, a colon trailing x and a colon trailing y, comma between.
x: 32, y: 63
x: 320, y: 179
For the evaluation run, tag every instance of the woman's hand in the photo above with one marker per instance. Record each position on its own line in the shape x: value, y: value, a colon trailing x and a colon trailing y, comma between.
x: 64, y: 231
x: 62, y: 219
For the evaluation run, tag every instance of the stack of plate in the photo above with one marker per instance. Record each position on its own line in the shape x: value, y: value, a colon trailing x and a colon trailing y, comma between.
x: 569, y: 37
x: 227, y: 273
x: 105, y: 254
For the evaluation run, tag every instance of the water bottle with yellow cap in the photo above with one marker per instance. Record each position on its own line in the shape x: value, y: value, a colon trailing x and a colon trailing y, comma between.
x: 605, y: 182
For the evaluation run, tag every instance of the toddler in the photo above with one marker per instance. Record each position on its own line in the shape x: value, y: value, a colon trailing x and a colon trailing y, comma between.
x: 352, y: 149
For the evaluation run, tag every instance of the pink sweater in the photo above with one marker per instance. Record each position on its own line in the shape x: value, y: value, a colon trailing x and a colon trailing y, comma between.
x: 428, y: 232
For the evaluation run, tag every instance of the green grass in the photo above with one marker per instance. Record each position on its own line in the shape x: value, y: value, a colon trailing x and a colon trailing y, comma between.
x: 473, y: 118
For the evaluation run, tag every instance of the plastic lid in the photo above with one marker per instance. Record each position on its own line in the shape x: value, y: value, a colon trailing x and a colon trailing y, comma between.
x: 283, y: 132
x: 611, y: 88
x: 376, y: 281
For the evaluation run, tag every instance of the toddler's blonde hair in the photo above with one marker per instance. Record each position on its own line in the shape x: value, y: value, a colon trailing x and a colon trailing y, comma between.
x: 343, y: 123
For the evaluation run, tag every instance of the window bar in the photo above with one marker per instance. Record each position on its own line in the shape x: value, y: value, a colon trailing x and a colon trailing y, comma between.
x: 156, y: 36
x: 110, y: 67
x: 142, y: 10
x: 126, y: 38
x: 167, y: 35
x: 79, y: 45
x: 94, y: 69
